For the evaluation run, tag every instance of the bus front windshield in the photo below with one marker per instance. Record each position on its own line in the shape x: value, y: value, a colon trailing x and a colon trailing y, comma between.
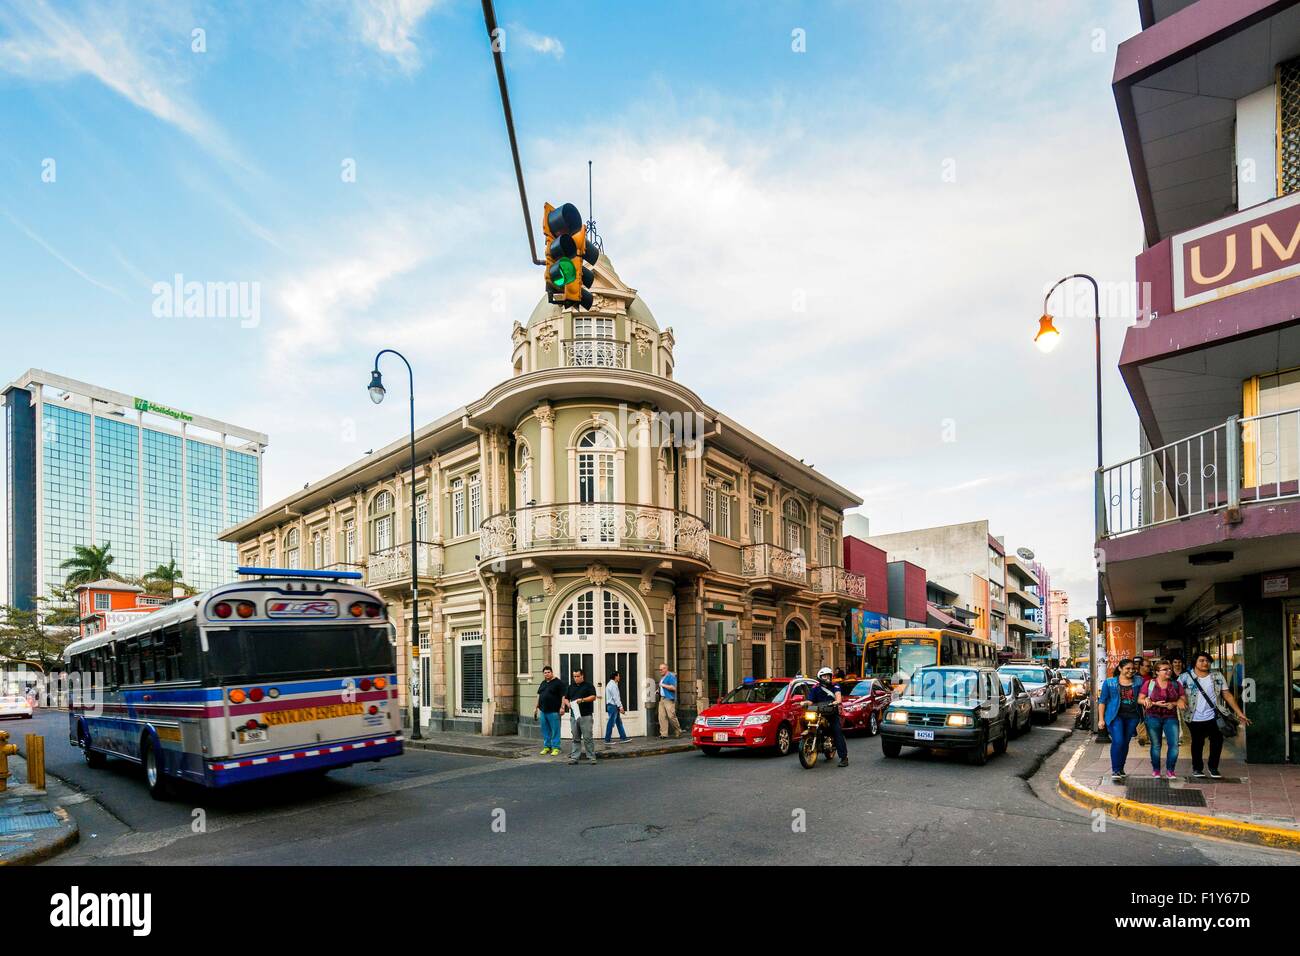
x: 240, y: 654
x: 896, y: 658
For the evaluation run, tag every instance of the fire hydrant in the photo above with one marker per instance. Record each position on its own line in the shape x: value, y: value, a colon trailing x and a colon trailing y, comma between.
x: 5, y: 750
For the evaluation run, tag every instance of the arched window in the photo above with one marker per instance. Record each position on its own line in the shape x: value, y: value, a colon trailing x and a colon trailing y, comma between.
x: 523, y: 475
x: 596, y: 466
x: 421, y: 516
x: 291, y: 549
x: 317, y: 549
x: 793, y: 649
x: 792, y: 512
x: 381, y: 521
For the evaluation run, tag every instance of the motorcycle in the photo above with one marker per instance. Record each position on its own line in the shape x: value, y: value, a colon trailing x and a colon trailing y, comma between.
x: 1083, y: 720
x: 816, y: 740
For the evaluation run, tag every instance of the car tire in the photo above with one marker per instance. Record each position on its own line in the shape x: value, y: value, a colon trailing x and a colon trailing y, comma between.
x: 1000, y: 745
x: 873, y: 724
x: 979, y: 754
x: 784, y: 740
x: 890, y: 748
x: 154, y: 777
x: 710, y: 751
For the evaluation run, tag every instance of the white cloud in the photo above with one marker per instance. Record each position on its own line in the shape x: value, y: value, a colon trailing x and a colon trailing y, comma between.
x: 390, y: 27
x: 537, y: 42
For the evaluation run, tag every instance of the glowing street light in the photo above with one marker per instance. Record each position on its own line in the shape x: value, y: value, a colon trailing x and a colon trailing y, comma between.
x: 1047, y: 336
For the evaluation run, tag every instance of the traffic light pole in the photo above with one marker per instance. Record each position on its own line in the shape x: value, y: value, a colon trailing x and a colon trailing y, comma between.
x: 494, y: 40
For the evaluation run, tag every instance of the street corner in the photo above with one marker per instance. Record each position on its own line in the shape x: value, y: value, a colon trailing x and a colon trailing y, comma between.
x: 1086, y: 780
x: 32, y: 827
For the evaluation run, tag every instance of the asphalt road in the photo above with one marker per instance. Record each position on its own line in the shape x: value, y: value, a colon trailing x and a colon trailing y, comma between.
x: 672, y: 809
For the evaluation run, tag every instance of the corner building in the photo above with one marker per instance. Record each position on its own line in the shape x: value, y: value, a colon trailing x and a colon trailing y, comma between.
x: 588, y: 511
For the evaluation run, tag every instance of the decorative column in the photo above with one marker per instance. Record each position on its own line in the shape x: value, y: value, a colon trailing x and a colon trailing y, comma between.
x: 546, y: 455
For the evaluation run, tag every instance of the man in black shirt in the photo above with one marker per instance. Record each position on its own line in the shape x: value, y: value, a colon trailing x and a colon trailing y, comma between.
x: 550, y: 696
x: 579, y: 697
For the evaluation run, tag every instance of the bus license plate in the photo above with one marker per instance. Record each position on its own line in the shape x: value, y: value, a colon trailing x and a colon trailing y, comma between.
x: 720, y: 737
x: 252, y: 736
x: 924, y: 735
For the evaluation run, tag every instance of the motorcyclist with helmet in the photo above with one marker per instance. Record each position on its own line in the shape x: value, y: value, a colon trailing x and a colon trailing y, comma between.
x: 825, y: 691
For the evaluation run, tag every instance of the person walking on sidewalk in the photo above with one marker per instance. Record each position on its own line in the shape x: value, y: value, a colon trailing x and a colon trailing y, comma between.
x: 579, y: 697
x: 550, y: 696
x: 614, y: 708
x: 1163, y: 698
x: 1119, y: 710
x: 1207, y: 692
x: 668, y: 702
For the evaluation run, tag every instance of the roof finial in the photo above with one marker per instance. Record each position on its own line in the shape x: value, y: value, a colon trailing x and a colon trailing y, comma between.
x: 592, y: 235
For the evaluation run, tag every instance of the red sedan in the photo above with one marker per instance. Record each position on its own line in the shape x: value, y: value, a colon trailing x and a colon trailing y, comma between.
x: 761, y: 714
x: 864, y: 705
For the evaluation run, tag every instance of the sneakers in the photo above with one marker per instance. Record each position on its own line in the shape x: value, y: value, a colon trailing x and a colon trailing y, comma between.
x: 1118, y: 777
x: 545, y: 751
x: 1215, y: 775
x: 1170, y: 775
x: 1198, y: 774
x: 1156, y: 774
x: 843, y: 763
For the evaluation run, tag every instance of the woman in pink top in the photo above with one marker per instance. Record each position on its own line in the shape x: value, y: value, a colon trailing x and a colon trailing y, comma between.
x: 1163, y: 698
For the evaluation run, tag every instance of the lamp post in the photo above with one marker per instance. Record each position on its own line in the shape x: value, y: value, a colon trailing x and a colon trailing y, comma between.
x: 1046, y: 340
x: 377, y: 393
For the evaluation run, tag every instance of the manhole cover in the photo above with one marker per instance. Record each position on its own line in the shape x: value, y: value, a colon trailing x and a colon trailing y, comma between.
x: 1159, y: 793
x: 22, y: 822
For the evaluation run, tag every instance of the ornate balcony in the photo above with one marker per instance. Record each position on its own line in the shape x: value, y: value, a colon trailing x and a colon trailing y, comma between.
x: 833, y: 579
x: 392, y: 566
x: 594, y: 353
x: 774, y: 563
x: 594, y: 527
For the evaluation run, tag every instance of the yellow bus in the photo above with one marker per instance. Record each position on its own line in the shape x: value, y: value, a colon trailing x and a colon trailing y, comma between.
x: 894, y: 655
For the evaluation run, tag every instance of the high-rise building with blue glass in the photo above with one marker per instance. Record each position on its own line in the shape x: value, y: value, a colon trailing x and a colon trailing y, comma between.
x: 88, y: 466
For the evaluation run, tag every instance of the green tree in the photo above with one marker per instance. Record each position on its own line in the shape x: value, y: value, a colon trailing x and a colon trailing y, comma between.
x: 1078, y: 639
x: 37, y: 636
x: 165, y: 577
x: 89, y: 563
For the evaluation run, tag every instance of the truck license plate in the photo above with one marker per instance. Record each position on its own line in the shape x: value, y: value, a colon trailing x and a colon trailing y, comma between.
x: 252, y: 736
x: 924, y: 735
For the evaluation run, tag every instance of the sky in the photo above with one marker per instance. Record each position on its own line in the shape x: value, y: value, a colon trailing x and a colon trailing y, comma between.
x: 848, y: 213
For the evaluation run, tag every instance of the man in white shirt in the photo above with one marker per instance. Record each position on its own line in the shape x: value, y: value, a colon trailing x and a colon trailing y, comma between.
x: 614, y: 708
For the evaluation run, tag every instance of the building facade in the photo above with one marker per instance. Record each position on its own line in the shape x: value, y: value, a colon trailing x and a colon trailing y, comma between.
x: 1200, y: 532
x: 588, y: 511
x: 1024, y: 633
x: 89, y: 466
x: 1059, y: 615
x: 106, y: 604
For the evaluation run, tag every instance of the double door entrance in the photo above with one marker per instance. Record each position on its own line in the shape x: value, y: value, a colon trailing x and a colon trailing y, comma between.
x: 599, y: 632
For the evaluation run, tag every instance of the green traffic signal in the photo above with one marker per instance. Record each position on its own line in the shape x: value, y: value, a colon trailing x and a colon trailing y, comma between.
x: 562, y: 273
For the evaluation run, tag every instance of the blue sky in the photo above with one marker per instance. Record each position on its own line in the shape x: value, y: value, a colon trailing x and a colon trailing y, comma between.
x: 919, y: 172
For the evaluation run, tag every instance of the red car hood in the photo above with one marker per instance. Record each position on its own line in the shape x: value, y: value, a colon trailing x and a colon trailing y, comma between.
x: 738, y: 710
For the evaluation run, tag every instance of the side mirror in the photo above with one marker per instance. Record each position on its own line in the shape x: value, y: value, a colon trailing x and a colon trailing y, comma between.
x: 796, y: 698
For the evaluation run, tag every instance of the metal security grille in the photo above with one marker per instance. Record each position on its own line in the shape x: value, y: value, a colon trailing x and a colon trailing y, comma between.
x: 1288, y: 133
x: 1159, y: 793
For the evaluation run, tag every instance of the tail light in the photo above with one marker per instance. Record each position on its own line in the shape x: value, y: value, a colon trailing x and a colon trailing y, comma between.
x: 381, y: 683
x: 357, y: 609
x: 372, y: 610
x: 373, y: 710
x: 250, y: 724
x: 255, y: 694
x: 237, y: 696
x: 245, y: 609
x: 222, y: 610
x: 365, y: 683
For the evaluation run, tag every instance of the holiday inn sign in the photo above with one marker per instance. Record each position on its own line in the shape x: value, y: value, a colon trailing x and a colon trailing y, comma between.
x: 144, y: 405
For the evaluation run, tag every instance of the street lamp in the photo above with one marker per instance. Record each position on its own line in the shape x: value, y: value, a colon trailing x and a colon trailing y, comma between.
x: 1046, y: 339
x: 377, y: 393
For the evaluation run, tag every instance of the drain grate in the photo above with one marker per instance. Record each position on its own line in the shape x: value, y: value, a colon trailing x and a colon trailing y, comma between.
x: 22, y: 822
x: 1159, y: 793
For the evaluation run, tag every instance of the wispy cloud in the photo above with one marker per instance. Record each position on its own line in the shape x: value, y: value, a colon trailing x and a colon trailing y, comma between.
x: 390, y: 27
x: 42, y: 45
x: 537, y: 42
x: 23, y: 228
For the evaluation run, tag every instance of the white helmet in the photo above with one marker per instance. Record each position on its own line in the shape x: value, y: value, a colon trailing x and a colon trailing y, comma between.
x: 825, y: 672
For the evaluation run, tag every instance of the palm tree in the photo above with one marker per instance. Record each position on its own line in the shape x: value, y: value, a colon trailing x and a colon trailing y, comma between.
x: 164, y: 578
x: 89, y: 564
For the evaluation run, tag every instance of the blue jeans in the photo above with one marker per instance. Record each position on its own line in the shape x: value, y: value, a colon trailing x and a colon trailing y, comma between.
x: 1122, y: 731
x: 615, y: 720
x: 1168, y: 728
x: 550, y: 730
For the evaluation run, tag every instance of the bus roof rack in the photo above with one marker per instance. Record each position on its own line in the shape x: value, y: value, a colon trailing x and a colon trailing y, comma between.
x: 300, y: 573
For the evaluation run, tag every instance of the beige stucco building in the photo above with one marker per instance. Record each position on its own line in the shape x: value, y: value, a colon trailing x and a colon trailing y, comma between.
x: 588, y: 509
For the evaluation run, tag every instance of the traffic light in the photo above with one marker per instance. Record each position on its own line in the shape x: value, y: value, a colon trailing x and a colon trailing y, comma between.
x: 568, y: 257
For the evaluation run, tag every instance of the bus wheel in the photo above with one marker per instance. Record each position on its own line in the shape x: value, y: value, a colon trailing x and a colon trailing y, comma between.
x: 94, y: 759
x: 159, y: 787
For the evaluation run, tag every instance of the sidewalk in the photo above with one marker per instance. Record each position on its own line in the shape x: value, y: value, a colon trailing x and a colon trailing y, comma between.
x: 1254, y: 803
x: 32, y: 827
x: 514, y: 747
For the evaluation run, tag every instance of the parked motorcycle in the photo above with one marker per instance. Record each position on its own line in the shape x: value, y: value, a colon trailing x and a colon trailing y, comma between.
x: 1083, y: 719
x: 816, y: 740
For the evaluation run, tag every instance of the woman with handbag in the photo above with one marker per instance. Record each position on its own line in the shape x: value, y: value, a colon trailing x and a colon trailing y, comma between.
x: 1120, y: 711
x: 1162, y: 698
x: 1207, y: 717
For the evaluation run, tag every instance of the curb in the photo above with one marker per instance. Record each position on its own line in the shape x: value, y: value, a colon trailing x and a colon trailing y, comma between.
x: 1164, y: 818
x: 68, y: 834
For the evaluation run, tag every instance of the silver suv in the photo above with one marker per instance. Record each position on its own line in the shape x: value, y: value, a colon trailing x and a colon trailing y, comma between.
x: 1044, y: 690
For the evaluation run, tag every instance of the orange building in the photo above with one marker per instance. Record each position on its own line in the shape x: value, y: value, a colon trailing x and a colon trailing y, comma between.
x: 105, y: 604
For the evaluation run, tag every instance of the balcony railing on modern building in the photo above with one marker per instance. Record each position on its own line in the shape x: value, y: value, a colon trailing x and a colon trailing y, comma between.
x: 1244, y: 460
x: 833, y: 579
x: 393, y: 565
x: 771, y: 561
x: 594, y: 353
x: 593, y: 526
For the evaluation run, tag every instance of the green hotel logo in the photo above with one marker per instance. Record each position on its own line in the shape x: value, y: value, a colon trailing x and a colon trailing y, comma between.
x: 144, y: 405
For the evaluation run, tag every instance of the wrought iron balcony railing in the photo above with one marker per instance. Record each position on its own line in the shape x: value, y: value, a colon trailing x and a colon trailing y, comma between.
x: 593, y: 526
x: 594, y: 353
x: 771, y: 561
x: 393, y: 565
x: 833, y: 579
x: 1242, y: 460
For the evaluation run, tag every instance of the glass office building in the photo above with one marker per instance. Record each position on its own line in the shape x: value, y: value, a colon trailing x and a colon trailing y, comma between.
x: 88, y: 466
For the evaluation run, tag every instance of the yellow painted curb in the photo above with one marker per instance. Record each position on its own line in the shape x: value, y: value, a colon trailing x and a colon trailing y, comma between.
x: 1166, y: 819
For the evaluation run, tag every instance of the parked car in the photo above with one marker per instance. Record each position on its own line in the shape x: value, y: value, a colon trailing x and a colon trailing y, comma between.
x: 759, y: 714
x: 1044, y: 695
x: 1022, y: 710
x: 15, y: 705
x: 949, y: 707
x: 864, y: 705
x: 1076, y: 682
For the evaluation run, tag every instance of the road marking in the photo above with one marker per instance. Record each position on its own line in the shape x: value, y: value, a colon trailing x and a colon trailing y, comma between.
x: 1059, y: 730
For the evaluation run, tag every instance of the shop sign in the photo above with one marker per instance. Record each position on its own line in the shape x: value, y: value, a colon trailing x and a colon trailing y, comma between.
x: 144, y: 405
x: 1123, y: 638
x: 1281, y: 584
x: 1237, y: 253
x: 864, y: 623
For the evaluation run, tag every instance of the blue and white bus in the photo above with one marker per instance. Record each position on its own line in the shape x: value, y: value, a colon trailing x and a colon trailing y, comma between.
x: 291, y: 671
